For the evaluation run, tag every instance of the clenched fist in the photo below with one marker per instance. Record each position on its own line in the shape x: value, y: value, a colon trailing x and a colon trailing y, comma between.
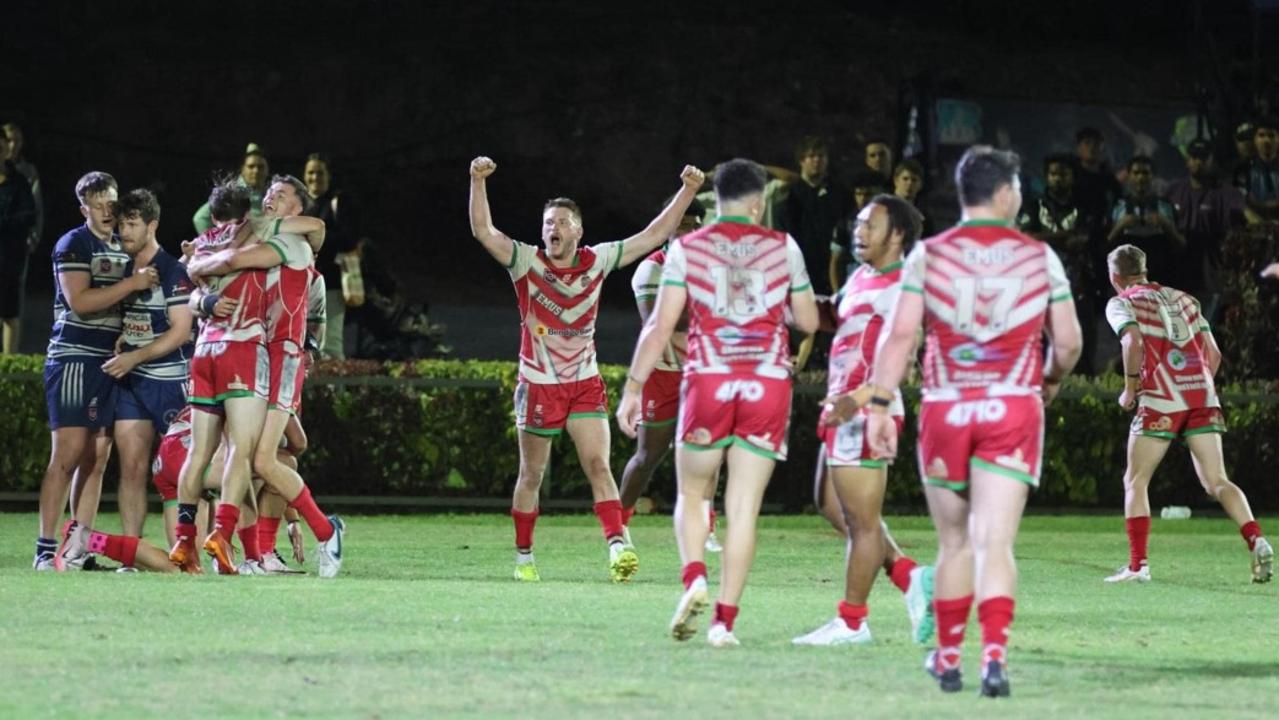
x: 482, y: 167
x: 692, y: 177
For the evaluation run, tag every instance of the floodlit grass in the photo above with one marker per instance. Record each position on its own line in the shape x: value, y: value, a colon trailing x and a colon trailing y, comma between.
x: 426, y: 622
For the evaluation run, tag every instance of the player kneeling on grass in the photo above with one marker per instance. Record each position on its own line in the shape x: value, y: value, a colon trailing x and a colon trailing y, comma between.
x: 886, y: 227
x: 738, y: 281
x: 985, y: 295
x: 1170, y: 358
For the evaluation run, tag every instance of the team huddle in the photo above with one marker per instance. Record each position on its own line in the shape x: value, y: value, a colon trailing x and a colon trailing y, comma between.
x: 126, y: 364
x: 712, y: 375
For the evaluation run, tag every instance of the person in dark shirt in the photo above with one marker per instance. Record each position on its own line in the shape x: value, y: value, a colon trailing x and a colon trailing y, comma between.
x: 879, y: 159
x: 341, y: 221
x: 908, y: 181
x: 1147, y: 221
x: 813, y: 210
x: 1205, y: 212
x: 17, y: 218
x: 1096, y: 188
x: 1261, y: 181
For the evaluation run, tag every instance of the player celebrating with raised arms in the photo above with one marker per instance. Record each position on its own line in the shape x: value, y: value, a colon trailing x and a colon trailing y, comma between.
x: 1170, y: 358
x: 985, y: 295
x: 558, y: 289
x: 738, y: 281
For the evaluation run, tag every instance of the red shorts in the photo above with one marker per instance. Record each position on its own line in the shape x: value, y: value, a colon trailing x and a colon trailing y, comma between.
x: 847, y: 445
x: 288, y: 372
x: 544, y: 409
x: 1195, y: 421
x: 1001, y: 434
x: 166, y: 469
x: 660, y: 398
x: 746, y: 410
x: 223, y: 370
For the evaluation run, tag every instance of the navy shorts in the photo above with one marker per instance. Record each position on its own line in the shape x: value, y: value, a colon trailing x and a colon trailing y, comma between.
x: 79, y: 394
x: 159, y: 401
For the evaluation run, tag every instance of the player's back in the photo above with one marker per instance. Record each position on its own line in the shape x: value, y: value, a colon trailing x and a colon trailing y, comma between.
x: 247, y: 323
x: 288, y: 284
x: 1174, y: 371
x: 986, y: 291
x: 739, y: 278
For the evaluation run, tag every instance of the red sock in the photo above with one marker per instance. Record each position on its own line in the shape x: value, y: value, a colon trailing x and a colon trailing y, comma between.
x: 225, y: 520
x: 626, y: 515
x: 692, y: 571
x: 524, y: 522
x: 184, y: 531
x: 1250, y: 531
x: 995, y: 615
x: 609, y: 513
x: 710, y: 518
x: 120, y: 548
x: 852, y: 615
x: 900, y: 572
x: 268, y: 529
x: 1138, y: 534
x: 320, y: 526
x: 952, y: 620
x: 249, y: 541
x: 726, y: 614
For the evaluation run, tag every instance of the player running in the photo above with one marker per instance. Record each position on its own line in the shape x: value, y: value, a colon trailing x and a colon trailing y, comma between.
x: 91, y: 278
x: 738, y: 281
x: 1170, y: 358
x: 151, y: 363
x: 661, y: 393
x: 985, y: 295
x: 557, y: 287
x: 886, y: 227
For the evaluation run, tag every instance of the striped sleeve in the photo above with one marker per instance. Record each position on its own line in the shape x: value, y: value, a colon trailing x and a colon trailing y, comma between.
x: 1058, y: 283
x: 647, y: 280
x: 799, y: 281
x: 1119, y: 314
x: 913, y: 270
x: 71, y: 255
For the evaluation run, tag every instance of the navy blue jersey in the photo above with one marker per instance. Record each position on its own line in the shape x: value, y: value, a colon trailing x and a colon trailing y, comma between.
x: 94, y: 335
x: 146, y: 318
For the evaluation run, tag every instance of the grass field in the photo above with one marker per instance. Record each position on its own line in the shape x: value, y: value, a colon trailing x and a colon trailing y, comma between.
x: 427, y: 622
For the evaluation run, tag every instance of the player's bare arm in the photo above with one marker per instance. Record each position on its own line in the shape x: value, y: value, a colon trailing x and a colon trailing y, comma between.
x: 1065, y: 344
x: 84, y: 300
x: 496, y: 242
x: 803, y: 308
x: 666, y: 222
x: 1132, y: 356
x: 652, y: 341
x: 180, y: 319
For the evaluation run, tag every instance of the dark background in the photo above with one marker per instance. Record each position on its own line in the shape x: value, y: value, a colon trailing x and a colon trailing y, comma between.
x: 604, y: 102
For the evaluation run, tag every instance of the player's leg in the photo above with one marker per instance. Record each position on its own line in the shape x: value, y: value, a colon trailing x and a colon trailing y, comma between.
x: 128, y: 550
x: 696, y: 468
x: 1210, y: 466
x: 69, y: 444
x: 1144, y: 455
x: 590, y: 436
x: 244, y: 417
x: 749, y: 471
x: 285, y: 480
x: 825, y: 497
x: 86, y: 485
x: 535, y: 452
x: 708, y: 509
x: 997, y: 502
x: 133, y: 439
x: 954, y: 581
x: 206, y: 437
x: 652, y: 443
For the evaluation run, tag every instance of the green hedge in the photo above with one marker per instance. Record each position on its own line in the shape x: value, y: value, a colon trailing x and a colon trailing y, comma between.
x: 391, y: 429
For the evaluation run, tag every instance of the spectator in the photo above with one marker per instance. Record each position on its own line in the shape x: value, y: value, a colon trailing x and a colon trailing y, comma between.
x: 389, y: 326
x: 866, y: 185
x: 17, y: 217
x: 1243, y: 154
x: 254, y: 174
x: 1261, y: 181
x: 17, y: 143
x: 1096, y: 189
x: 879, y: 158
x: 342, y: 235
x: 775, y: 192
x: 1205, y: 211
x: 908, y: 180
x: 1057, y: 219
x: 813, y: 210
x: 1147, y: 221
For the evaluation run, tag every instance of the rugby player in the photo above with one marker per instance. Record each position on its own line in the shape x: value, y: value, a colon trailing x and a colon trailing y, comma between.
x: 92, y: 277
x: 557, y: 287
x: 985, y: 295
x: 886, y: 227
x: 739, y: 281
x: 1170, y: 358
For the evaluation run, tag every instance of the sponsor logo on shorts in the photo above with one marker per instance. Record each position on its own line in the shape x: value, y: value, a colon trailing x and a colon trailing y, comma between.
x: 1176, y: 360
x: 748, y: 390
x: 989, y: 410
x: 1216, y: 419
x: 93, y: 410
x: 967, y: 355
x: 1016, y: 461
x: 236, y: 384
x: 698, y: 436
x: 1163, y: 424
x: 937, y: 469
x: 537, y: 418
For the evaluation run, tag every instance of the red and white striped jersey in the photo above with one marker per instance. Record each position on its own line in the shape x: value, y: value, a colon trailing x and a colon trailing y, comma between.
x: 248, y: 322
x: 862, y: 308
x: 558, y: 307
x: 1174, y: 375
x: 739, y: 279
x: 288, y: 285
x: 986, y: 291
x: 646, y: 282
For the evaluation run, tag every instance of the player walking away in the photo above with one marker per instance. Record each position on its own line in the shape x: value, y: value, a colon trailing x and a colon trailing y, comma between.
x: 1170, y: 358
x: 286, y: 253
x: 660, y: 398
x: 151, y: 363
x: 886, y: 227
x: 92, y: 277
x: 985, y: 295
x: 557, y: 287
x: 738, y: 280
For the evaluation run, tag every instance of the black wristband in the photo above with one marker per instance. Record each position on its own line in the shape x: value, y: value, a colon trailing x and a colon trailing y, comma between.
x: 207, y: 302
x: 880, y: 401
x: 1132, y: 375
x: 1052, y: 380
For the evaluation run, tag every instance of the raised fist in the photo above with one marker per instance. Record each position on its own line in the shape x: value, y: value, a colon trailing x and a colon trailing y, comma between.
x: 692, y: 177
x: 482, y: 167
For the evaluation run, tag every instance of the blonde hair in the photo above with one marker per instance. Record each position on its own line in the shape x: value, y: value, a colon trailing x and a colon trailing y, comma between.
x: 1127, y: 261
